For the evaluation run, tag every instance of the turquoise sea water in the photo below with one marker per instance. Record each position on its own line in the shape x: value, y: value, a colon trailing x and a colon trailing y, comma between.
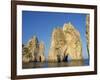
x: 47, y: 64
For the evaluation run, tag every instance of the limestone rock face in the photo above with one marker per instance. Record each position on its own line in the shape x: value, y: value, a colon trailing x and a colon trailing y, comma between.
x: 87, y: 32
x: 65, y: 42
x: 74, y: 45
x: 40, y: 56
x: 57, y: 42
x: 31, y: 51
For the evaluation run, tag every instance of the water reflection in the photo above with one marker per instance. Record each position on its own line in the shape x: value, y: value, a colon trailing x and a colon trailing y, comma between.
x: 55, y: 64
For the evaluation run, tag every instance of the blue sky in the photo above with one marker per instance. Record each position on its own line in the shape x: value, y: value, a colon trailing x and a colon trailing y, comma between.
x: 42, y: 24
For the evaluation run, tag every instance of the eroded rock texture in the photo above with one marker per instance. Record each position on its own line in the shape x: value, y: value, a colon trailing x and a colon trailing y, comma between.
x: 40, y: 55
x: 33, y: 50
x: 73, y: 39
x: 65, y: 42
x: 87, y: 32
x: 57, y: 43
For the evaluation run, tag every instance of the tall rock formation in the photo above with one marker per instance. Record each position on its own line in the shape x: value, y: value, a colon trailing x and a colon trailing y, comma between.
x: 73, y: 39
x: 88, y: 32
x: 40, y: 55
x: 65, y: 42
x: 32, y: 49
x: 57, y: 42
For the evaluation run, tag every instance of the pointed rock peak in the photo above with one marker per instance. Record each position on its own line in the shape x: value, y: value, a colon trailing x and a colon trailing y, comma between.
x: 34, y: 37
x: 68, y: 26
x: 33, y: 41
x: 54, y: 30
x: 57, y: 29
x: 69, y: 23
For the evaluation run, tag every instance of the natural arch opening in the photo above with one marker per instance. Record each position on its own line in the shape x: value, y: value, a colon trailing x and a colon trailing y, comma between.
x: 59, y: 58
x: 40, y: 58
x: 65, y: 58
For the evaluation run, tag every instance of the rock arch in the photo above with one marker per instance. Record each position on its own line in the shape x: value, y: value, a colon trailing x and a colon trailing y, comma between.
x: 57, y: 41
x: 33, y: 51
x: 65, y: 42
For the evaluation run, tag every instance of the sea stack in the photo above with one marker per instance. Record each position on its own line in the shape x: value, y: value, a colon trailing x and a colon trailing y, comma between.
x: 88, y: 32
x: 57, y: 43
x: 40, y: 56
x: 31, y: 51
x: 73, y: 42
x: 65, y: 42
